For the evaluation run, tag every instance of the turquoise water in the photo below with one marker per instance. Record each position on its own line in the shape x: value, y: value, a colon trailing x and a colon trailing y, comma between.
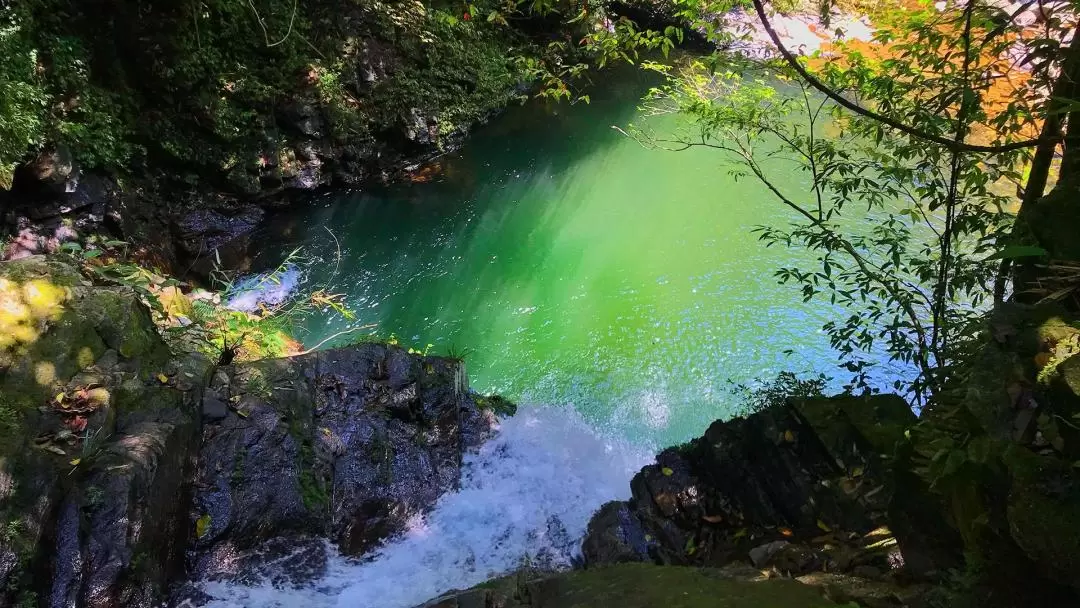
x: 575, y: 268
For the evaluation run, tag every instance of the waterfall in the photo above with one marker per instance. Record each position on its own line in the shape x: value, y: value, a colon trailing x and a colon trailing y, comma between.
x: 525, y: 499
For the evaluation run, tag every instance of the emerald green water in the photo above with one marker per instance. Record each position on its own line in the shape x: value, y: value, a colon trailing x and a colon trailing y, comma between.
x: 576, y: 268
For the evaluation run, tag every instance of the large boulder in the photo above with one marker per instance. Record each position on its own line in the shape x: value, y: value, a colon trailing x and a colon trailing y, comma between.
x: 809, y: 470
x: 346, y: 443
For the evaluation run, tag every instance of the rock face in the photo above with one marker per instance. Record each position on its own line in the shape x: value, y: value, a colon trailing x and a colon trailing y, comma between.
x: 95, y: 448
x: 346, y: 443
x: 124, y: 467
x: 750, y: 489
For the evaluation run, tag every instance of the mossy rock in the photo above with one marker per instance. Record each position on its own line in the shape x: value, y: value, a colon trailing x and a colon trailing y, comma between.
x: 879, y: 420
x: 1053, y: 222
x: 635, y: 585
x: 1044, y: 512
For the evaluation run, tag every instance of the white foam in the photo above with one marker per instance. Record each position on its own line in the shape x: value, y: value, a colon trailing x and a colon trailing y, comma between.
x: 526, y: 497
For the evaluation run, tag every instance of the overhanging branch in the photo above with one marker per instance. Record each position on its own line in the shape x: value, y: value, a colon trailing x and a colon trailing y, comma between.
x: 951, y: 144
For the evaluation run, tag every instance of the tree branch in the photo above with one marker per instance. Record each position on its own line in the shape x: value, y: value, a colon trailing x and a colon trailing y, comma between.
x: 951, y: 144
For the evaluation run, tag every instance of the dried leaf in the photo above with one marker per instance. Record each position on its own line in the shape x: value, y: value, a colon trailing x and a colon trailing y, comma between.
x: 202, y: 525
x: 162, y: 378
x: 789, y: 436
x: 75, y: 462
x: 713, y: 519
x: 824, y: 527
x: 786, y: 532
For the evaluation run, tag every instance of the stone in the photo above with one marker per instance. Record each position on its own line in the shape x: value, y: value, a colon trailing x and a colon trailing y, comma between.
x: 782, y: 474
x: 213, y: 408
x: 381, y: 430
x: 211, y: 237
x: 760, y: 555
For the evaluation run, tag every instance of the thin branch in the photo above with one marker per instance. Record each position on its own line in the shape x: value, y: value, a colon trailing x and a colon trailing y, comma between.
x: 336, y: 335
x: 262, y: 24
x: 950, y: 144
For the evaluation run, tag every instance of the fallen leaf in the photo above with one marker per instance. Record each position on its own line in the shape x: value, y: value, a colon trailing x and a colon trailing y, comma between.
x: 786, y: 532
x: 667, y: 472
x: 789, y: 436
x: 741, y: 533
x: 242, y: 413
x: 857, y: 472
x: 824, y: 527
x: 75, y: 462
x: 162, y: 378
x: 202, y: 525
x: 1042, y: 360
x: 713, y: 519
x: 59, y: 398
x: 55, y: 450
x: 327, y: 432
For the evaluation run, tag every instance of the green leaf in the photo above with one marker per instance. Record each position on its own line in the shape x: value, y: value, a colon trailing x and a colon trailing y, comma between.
x: 202, y: 525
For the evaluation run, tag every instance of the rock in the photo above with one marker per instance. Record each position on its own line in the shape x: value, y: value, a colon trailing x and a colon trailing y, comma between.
x: 52, y: 172
x: 207, y: 236
x: 615, y: 536
x: 213, y: 408
x: 99, y: 514
x: 302, y: 117
x: 380, y: 430
x: 788, y: 473
x: 760, y: 555
x: 1043, y: 507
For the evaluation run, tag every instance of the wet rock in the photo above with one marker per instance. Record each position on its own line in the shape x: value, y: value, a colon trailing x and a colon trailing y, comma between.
x: 749, y: 485
x: 379, y: 430
x: 213, y: 407
x: 211, y: 236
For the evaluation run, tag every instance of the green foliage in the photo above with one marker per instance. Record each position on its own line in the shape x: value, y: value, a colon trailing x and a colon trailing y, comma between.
x: 777, y: 392
x: 22, y: 99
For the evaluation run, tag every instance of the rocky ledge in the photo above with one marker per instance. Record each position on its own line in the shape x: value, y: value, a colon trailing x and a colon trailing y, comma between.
x: 125, y: 468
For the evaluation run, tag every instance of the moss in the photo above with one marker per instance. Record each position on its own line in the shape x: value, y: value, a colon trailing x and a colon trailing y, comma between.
x: 644, y: 586
x: 312, y: 491
x: 879, y: 419
x: 1043, y: 511
x: 497, y: 404
x: 124, y: 325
